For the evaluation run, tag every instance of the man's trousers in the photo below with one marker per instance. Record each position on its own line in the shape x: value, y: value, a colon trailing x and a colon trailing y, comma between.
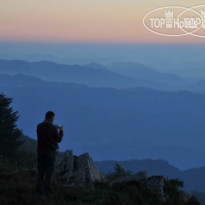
x: 46, y: 168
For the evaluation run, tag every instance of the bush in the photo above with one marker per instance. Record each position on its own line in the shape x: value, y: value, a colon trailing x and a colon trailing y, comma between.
x: 119, y: 172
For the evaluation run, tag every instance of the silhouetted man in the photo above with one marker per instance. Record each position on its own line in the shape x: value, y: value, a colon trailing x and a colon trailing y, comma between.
x: 48, y: 139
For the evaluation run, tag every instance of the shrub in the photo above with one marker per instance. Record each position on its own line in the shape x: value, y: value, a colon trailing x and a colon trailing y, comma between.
x: 119, y: 172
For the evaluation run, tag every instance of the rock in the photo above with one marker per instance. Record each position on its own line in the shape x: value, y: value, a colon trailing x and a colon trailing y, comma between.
x: 78, y: 170
x: 157, y: 183
x: 64, y: 165
x: 136, y: 177
x: 85, y: 172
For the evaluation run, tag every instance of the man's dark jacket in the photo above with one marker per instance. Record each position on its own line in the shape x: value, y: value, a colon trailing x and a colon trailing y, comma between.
x: 48, y: 136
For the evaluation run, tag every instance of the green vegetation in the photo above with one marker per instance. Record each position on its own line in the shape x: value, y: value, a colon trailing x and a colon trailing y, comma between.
x: 119, y: 172
x: 9, y: 133
x: 12, y: 140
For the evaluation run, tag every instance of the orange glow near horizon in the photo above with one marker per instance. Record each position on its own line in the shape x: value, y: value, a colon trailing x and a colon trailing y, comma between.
x: 83, y: 21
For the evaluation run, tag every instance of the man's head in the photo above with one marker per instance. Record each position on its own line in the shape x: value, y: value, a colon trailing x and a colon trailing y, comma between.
x: 50, y: 115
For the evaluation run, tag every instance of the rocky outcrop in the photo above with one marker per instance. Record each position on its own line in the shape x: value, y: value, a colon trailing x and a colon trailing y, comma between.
x: 77, y: 170
x: 156, y: 183
x: 81, y: 171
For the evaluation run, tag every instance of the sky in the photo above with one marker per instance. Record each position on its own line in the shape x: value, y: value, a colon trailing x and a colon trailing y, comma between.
x: 84, y: 21
x: 84, y: 31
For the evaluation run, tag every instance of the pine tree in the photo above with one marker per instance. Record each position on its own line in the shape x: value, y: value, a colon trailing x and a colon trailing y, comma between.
x: 9, y: 133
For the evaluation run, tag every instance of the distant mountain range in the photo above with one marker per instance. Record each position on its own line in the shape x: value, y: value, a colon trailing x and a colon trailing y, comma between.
x: 117, y: 75
x: 139, y: 71
x: 91, y: 76
x: 115, y: 123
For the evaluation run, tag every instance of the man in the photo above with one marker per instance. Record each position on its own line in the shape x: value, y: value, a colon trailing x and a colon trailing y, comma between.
x: 48, y: 139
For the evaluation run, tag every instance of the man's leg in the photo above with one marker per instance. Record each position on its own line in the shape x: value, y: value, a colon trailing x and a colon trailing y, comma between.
x: 50, y: 168
x: 41, y: 161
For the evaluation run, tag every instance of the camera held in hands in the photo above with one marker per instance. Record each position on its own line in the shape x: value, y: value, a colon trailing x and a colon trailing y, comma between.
x: 59, y: 127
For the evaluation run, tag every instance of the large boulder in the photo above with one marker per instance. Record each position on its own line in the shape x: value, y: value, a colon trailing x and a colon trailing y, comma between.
x: 77, y: 170
x: 85, y: 171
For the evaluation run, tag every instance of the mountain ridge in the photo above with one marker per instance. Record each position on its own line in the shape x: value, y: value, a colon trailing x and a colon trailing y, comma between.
x: 90, y: 76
